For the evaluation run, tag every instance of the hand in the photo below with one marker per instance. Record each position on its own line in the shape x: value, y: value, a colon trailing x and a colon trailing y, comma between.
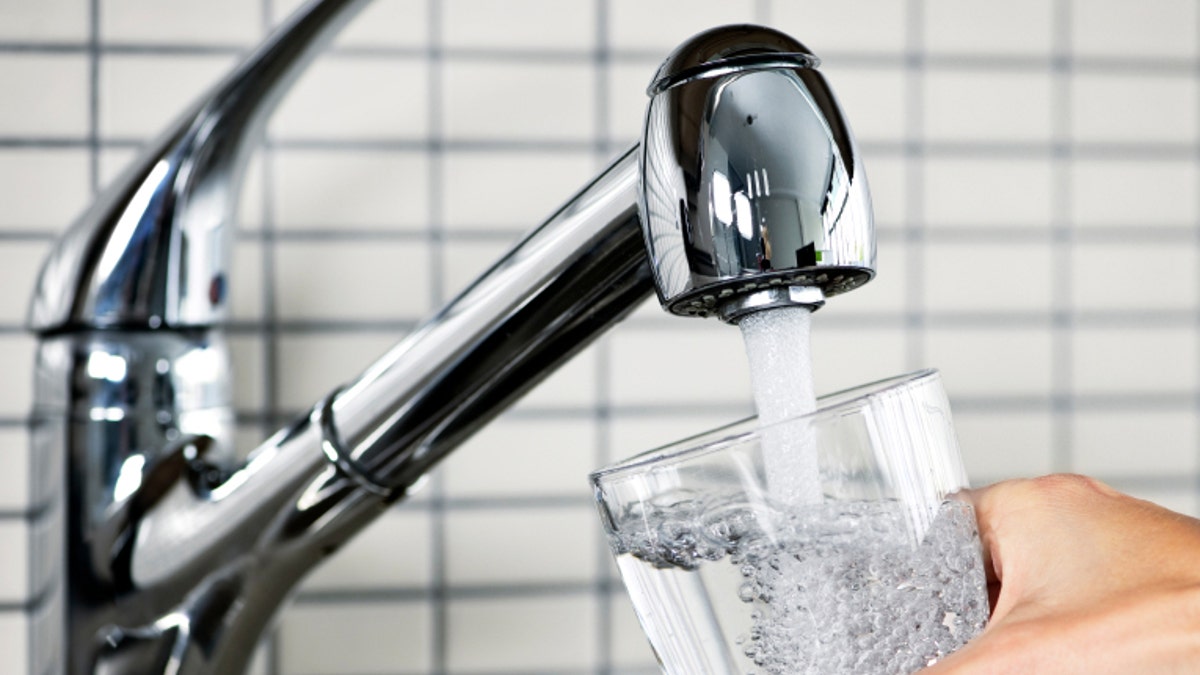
x: 1083, y: 579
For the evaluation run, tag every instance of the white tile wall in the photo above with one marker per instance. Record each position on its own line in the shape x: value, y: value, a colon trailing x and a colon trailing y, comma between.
x: 1157, y: 28
x: 988, y: 192
x: 1133, y: 192
x: 1034, y: 167
x: 42, y: 188
x: 1004, y: 107
x: 46, y: 95
x: 957, y: 27
x: 221, y: 22
x: 139, y: 96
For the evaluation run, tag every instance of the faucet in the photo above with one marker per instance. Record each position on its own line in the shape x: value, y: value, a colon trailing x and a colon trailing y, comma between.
x: 157, y: 550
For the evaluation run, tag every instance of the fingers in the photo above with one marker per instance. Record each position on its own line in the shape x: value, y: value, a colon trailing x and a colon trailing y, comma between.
x: 1013, y: 513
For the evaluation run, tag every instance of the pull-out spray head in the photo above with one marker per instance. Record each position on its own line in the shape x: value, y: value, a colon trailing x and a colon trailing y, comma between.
x: 753, y: 194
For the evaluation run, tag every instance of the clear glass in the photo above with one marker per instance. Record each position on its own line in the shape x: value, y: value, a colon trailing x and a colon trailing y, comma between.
x: 730, y: 572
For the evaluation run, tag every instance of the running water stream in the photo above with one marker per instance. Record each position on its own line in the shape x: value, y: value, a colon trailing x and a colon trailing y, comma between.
x: 778, y: 348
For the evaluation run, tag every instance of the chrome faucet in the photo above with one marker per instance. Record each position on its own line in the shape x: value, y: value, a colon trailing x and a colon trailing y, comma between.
x: 157, y: 551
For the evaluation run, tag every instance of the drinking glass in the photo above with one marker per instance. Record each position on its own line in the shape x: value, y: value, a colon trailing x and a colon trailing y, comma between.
x: 876, y: 569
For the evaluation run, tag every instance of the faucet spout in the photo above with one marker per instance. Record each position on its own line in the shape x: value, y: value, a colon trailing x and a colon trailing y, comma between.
x: 746, y: 193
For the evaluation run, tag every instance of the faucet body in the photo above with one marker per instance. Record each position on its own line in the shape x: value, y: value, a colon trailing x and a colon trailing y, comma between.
x: 158, y: 552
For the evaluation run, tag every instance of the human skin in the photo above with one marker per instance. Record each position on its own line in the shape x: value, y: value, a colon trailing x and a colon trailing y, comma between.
x: 1083, y: 579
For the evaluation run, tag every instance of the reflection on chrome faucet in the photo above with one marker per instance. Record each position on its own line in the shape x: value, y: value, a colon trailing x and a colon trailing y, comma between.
x: 157, y: 551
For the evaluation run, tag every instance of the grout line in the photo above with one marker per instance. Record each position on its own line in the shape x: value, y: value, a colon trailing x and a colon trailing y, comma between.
x: 602, y: 416
x: 93, y: 132
x: 1063, y: 405
x: 1115, y: 319
x: 1149, y: 151
x: 914, y: 211
x: 1195, y: 487
x: 1125, y: 64
x: 270, y: 329
x: 439, y: 553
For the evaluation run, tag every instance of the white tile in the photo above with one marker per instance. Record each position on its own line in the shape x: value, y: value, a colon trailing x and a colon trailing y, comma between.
x: 112, y: 163
x: 390, y: 23
x: 1106, y: 109
x: 310, y: 366
x: 14, y: 641
x: 702, y: 362
x: 1134, y: 443
x: 873, y: 100
x: 632, y: 434
x: 988, y: 362
x: 661, y: 25
x: 991, y: 192
x: 984, y: 27
x: 551, y: 457
x: 366, y: 638
x: 572, y: 386
x: 1184, y: 501
x: 1133, y: 361
x: 246, y: 353
x: 14, y: 482
x: 873, y: 26
x: 509, y: 191
x: 630, y: 649
x: 649, y: 310
x: 45, y: 95
x: 519, y: 24
x: 251, y: 205
x: 885, y: 294
x: 1000, y: 445
x: 14, y: 561
x: 395, y: 551
x: 149, y: 21
x: 356, y: 98
x: 45, y: 629
x: 991, y: 277
x: 347, y: 189
x: 848, y: 357
x: 627, y: 99
x: 246, y: 280
x: 465, y: 261
x: 538, y: 101
x: 43, y: 189
x: 1134, y: 192
x: 888, y: 178
x: 542, y: 634
x: 20, y: 263
x: 521, y: 545
x: 16, y: 362
x: 1134, y: 29
x: 1114, y: 276
x: 139, y: 97
x: 330, y: 280
x: 56, y: 20
x: 962, y: 105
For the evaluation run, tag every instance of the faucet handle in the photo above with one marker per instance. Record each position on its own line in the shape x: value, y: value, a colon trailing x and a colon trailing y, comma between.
x: 753, y: 193
x: 153, y: 250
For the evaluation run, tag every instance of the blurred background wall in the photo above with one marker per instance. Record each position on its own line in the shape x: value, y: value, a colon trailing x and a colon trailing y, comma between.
x: 1034, y: 171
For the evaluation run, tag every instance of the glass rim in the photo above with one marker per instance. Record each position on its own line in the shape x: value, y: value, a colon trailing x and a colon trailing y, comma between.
x: 854, y: 397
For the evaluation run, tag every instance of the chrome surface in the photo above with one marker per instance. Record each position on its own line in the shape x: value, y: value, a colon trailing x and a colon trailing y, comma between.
x: 751, y: 176
x: 153, y: 249
x: 157, y: 550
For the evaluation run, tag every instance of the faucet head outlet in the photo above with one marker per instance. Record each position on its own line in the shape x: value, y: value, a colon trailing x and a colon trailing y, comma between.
x: 753, y: 193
